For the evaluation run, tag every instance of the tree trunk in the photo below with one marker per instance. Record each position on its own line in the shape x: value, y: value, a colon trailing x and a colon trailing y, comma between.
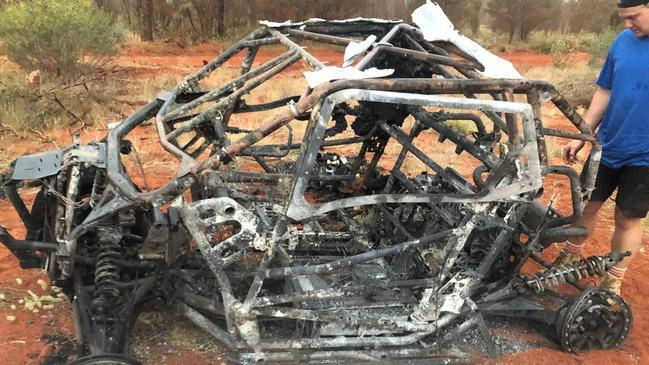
x: 220, y: 30
x: 146, y: 20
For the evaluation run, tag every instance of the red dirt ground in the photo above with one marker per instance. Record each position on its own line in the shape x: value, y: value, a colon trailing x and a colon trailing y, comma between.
x: 22, y: 342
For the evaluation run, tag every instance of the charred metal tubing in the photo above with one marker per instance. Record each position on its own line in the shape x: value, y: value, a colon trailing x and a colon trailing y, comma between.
x: 387, y: 39
x: 283, y: 272
x: 25, y: 245
x: 246, y: 108
x: 334, y: 293
x: 190, y: 81
x: 412, y: 356
x: 463, y: 144
x: 571, y: 113
x: 512, y: 122
x: 502, y: 241
x: 425, y: 86
x: 326, y: 315
x: 596, y: 150
x: 337, y: 342
x: 228, y: 300
x: 522, y: 307
x: 403, y: 139
x: 534, y: 99
x: 564, y: 134
x: 189, y: 297
x: 222, y: 58
x: 561, y: 234
x: 232, y: 85
x: 113, y: 162
x: 25, y: 251
x: 258, y: 279
x: 416, y: 129
x: 358, y: 341
x: 453, y: 335
x: 207, y: 325
x: 178, y: 185
x: 409, y: 31
x: 444, y: 48
x: 291, y: 45
x: 453, y: 49
x: 246, y: 65
x: 260, y: 42
x: 324, y: 38
x: 575, y: 194
x: 300, y: 210
x: 499, y: 124
x: 214, y: 111
x: 242, y: 176
x: 359, y: 28
x: 274, y: 151
x: 427, y: 57
x: 19, y: 205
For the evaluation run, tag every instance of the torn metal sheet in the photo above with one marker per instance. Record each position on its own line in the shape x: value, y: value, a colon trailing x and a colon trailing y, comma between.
x: 331, y: 73
x: 356, y: 49
x: 436, y: 26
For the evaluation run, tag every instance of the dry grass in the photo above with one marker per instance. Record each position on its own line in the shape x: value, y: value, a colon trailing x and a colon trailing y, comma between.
x: 575, y: 83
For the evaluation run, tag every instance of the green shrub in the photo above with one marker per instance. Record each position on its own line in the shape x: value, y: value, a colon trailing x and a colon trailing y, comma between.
x: 554, y: 42
x: 87, y: 100
x: 52, y: 35
x: 597, y: 45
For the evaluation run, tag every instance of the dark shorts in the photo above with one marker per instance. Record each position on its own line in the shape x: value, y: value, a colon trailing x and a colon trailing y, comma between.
x: 632, y: 184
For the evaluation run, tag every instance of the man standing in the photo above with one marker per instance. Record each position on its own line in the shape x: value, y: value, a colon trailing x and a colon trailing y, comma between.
x: 619, y: 111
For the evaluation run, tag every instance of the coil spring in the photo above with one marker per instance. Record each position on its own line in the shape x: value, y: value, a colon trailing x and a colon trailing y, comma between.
x: 587, y: 268
x: 106, y: 275
x: 98, y: 187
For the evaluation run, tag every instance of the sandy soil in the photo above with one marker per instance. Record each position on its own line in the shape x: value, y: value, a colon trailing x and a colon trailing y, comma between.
x: 44, y: 337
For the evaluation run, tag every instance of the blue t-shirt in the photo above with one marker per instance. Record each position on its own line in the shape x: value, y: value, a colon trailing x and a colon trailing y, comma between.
x: 624, y: 130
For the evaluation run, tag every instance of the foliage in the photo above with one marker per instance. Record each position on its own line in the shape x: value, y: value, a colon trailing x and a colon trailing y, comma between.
x: 197, y: 20
x: 52, y: 35
x: 463, y: 14
x: 45, y: 104
x: 597, y: 45
x: 592, y: 16
x: 524, y: 16
x: 561, y: 43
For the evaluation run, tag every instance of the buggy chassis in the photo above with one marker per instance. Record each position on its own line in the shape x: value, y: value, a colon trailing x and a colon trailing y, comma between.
x: 317, y: 253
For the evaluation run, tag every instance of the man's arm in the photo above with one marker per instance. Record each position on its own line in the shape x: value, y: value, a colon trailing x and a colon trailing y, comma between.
x: 593, y: 118
x: 597, y: 108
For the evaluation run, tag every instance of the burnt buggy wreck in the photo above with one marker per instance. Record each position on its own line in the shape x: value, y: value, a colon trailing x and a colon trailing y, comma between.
x: 328, y: 231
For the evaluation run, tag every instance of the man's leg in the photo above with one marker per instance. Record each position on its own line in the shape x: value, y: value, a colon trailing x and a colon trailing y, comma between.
x: 605, y: 184
x: 627, y: 236
x: 588, y: 220
x: 632, y: 205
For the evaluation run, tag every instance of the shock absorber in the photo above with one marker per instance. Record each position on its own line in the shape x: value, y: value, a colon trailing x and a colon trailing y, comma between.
x: 98, y: 187
x: 586, y: 268
x: 107, y: 272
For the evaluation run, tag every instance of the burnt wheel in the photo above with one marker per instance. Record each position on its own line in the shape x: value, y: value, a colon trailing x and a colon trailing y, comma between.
x: 598, y: 319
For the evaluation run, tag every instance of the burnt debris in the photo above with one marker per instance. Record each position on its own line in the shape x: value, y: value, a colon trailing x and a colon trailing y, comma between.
x: 304, y: 238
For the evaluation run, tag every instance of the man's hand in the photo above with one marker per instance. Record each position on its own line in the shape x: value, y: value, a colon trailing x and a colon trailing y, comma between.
x: 571, y: 150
